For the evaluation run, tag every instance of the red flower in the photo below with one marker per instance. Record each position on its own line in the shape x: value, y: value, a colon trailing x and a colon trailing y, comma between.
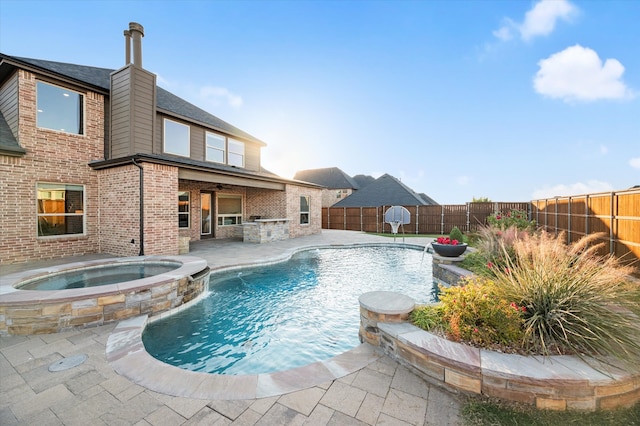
x: 489, y: 265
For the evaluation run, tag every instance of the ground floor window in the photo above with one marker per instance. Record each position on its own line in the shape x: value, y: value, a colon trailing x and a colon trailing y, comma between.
x: 305, y: 201
x: 229, y: 210
x: 60, y: 209
x: 183, y: 209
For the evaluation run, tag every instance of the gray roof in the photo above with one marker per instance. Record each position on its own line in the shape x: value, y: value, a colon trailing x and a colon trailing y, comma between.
x: 166, y: 101
x: 8, y: 143
x: 363, y: 180
x: 385, y: 191
x: 331, y: 177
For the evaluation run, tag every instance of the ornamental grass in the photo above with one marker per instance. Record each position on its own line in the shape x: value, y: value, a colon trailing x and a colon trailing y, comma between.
x: 576, y: 300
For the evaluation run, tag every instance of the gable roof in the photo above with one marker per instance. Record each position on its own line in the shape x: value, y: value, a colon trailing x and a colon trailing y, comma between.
x: 331, y: 177
x: 363, y: 180
x: 385, y: 191
x: 100, y: 78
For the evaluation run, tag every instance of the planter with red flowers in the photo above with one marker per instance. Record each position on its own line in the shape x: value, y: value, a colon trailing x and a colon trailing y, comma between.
x: 446, y: 247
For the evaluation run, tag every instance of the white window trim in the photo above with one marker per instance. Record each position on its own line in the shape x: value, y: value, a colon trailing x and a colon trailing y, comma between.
x: 164, y: 138
x: 187, y: 213
x: 238, y: 216
x: 223, y: 150
x: 230, y: 153
x: 307, y: 212
x: 83, y: 214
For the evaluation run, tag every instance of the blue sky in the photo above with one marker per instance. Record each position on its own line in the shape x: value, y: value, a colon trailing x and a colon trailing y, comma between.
x: 510, y: 100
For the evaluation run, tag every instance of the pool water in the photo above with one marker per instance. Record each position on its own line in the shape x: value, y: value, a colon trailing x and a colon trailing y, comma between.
x: 278, y: 317
x: 99, y: 275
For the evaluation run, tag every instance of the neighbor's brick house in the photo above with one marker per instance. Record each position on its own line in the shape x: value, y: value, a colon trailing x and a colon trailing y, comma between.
x: 86, y: 152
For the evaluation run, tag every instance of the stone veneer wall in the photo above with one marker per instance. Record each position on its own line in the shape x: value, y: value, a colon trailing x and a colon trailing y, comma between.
x: 54, y: 157
x: 97, y: 307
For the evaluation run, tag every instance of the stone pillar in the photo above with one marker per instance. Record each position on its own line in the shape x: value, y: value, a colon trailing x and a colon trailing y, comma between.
x: 385, y: 307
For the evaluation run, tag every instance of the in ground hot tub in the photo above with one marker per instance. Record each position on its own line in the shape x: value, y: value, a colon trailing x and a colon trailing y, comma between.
x: 97, y: 292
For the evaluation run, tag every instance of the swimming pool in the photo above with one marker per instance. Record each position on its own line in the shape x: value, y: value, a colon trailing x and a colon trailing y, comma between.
x: 277, y: 317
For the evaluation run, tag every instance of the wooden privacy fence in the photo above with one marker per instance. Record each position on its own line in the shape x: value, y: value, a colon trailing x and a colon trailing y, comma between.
x: 615, y: 214
x: 424, y: 219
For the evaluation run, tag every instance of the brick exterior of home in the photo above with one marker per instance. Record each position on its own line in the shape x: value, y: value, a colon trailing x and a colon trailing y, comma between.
x: 111, y: 182
x: 51, y: 157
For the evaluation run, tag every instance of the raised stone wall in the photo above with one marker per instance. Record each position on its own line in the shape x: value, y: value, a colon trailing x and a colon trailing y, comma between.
x: 555, y: 382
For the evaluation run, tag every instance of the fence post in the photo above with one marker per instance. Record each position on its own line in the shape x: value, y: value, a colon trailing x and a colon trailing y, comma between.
x: 586, y: 217
x: 361, y: 219
x: 468, y: 217
x: 344, y: 218
x: 614, y: 215
x: 442, y: 220
x: 569, y: 222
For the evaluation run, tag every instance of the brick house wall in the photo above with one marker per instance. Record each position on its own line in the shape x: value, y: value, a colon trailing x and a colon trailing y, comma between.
x: 52, y: 157
x: 294, y: 192
x: 160, y: 209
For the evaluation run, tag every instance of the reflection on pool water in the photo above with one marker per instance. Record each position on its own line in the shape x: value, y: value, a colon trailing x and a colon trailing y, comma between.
x: 277, y: 317
x: 99, y: 275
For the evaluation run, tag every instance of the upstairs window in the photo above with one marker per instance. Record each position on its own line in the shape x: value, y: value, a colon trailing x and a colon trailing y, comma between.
x: 183, y: 209
x: 305, y: 202
x: 176, y: 138
x: 236, y: 153
x: 59, y: 109
x: 229, y: 210
x: 215, y: 147
x: 60, y: 209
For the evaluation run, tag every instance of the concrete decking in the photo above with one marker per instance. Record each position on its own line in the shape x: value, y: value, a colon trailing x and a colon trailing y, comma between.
x: 381, y: 393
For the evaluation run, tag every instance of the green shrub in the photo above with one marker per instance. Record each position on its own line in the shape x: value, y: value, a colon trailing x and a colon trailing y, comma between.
x: 472, y: 313
x: 427, y: 317
x: 456, y: 234
x: 575, y: 300
x: 517, y: 218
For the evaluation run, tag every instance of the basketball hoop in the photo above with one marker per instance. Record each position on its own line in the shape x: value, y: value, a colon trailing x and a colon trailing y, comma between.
x: 396, y: 216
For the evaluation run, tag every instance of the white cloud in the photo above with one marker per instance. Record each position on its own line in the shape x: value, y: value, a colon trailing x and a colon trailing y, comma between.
x: 635, y: 162
x: 578, y: 188
x: 604, y: 150
x: 220, y: 95
x: 538, y: 21
x: 578, y: 74
x: 541, y: 20
x: 504, y: 33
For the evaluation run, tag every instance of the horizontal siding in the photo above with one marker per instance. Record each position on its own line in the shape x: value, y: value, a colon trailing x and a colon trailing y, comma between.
x: 143, y: 88
x: 9, y: 103
x: 197, y: 143
x: 120, y: 114
x: 252, y: 157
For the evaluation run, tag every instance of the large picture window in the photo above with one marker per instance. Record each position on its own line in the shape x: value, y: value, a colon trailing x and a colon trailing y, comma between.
x: 176, y: 138
x: 305, y: 201
x: 60, y: 209
x: 215, y: 147
x: 236, y: 153
x: 183, y: 209
x: 59, y: 109
x: 229, y: 210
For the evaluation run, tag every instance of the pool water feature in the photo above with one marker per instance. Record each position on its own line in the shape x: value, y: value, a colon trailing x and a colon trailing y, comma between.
x: 277, y: 317
x: 99, y: 276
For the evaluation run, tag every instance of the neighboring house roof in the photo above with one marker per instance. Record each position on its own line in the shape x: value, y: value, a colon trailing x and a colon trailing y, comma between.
x: 363, y: 180
x: 166, y: 101
x: 385, y: 191
x: 331, y: 177
x: 8, y: 143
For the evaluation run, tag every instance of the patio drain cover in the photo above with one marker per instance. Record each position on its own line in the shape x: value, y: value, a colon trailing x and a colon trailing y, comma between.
x: 67, y: 363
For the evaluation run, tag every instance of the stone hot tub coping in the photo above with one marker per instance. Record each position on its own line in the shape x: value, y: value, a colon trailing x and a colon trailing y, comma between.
x: 51, y: 311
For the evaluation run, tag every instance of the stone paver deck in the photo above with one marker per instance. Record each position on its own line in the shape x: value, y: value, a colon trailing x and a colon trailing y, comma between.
x: 380, y: 393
